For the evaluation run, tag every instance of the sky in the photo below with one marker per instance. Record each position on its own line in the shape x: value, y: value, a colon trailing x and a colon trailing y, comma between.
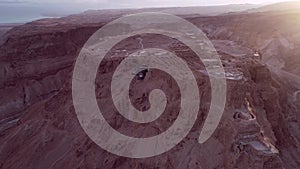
x: 109, y: 4
x: 12, y: 11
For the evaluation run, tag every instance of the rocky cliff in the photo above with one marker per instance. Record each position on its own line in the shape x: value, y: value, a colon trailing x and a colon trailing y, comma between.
x: 259, y: 128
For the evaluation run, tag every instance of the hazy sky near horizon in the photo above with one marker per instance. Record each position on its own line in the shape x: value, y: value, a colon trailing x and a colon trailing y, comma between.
x: 12, y: 11
x: 106, y: 4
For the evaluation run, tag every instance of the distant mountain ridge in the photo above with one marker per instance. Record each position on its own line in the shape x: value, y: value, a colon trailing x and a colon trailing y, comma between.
x: 282, y: 6
x: 16, y: 14
x: 201, y: 10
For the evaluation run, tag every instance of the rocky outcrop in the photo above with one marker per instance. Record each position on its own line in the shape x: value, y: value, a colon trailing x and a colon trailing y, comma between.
x: 35, y: 65
x: 38, y: 123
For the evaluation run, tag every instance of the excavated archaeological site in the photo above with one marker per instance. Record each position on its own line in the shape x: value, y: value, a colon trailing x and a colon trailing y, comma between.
x: 259, y: 128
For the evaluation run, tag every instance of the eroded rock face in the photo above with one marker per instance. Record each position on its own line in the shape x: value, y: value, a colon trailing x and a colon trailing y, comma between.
x: 39, y: 127
x: 35, y: 65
